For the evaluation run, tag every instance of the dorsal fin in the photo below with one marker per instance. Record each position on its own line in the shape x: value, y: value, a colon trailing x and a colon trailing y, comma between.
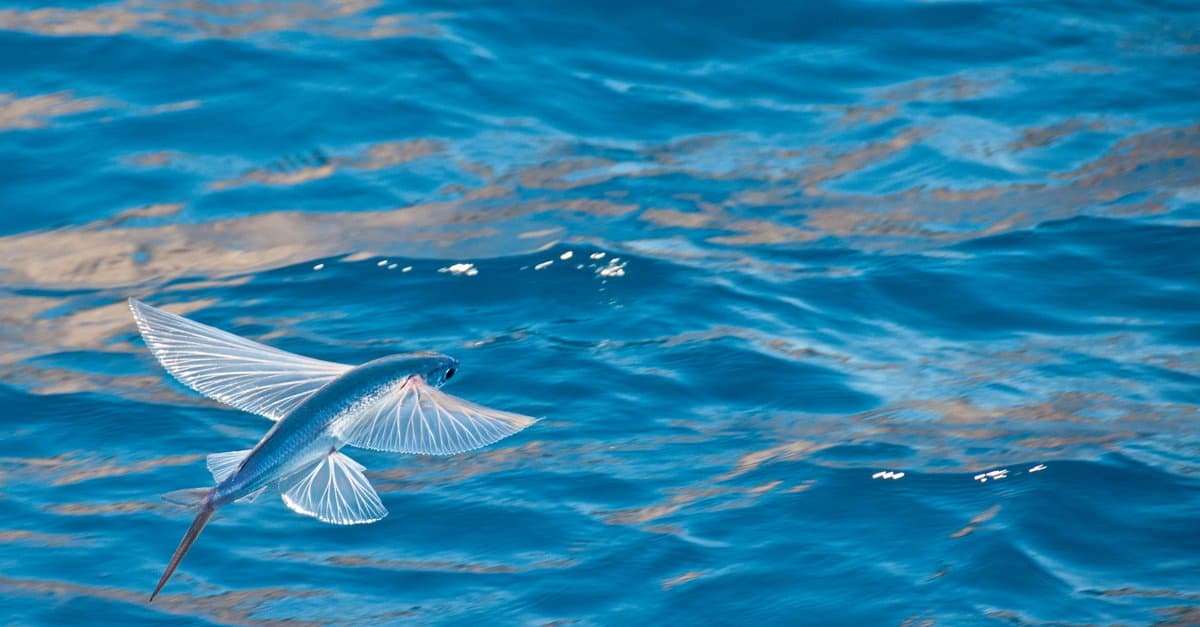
x: 221, y: 465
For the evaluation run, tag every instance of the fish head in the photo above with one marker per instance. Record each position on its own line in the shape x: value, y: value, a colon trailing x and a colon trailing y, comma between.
x: 435, y: 368
x: 444, y: 370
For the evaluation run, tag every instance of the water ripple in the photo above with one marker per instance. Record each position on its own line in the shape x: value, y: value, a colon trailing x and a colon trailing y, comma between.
x: 826, y: 315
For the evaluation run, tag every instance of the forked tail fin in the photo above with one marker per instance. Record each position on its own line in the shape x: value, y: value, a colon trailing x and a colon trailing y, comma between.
x: 206, y: 511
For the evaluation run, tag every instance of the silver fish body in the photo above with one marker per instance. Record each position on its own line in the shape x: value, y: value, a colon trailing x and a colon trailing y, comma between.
x: 391, y: 404
x: 316, y: 427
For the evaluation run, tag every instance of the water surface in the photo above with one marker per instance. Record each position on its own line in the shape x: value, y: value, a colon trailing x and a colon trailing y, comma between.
x: 744, y: 262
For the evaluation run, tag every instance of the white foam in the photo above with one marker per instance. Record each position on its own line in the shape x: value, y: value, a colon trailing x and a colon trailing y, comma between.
x: 459, y: 268
x: 614, y: 268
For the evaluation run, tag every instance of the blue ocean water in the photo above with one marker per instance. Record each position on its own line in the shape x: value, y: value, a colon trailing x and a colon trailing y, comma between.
x: 750, y: 263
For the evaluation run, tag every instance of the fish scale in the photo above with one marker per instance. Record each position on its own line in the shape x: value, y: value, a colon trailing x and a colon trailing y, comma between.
x: 305, y: 435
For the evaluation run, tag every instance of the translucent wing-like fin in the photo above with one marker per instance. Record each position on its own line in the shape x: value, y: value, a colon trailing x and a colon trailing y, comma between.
x: 221, y: 465
x: 231, y: 369
x: 418, y: 418
x: 334, y: 491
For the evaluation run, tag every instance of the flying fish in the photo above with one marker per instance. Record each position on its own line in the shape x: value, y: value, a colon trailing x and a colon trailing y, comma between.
x: 390, y: 404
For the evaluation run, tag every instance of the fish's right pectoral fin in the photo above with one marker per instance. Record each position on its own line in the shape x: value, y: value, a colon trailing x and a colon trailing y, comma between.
x: 416, y: 417
x: 335, y: 491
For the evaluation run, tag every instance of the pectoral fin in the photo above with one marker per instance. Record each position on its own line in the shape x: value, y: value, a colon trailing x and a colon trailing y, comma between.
x: 231, y: 369
x: 335, y: 491
x: 419, y: 418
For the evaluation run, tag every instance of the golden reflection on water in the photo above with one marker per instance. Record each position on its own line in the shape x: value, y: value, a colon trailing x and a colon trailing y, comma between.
x: 940, y: 89
x: 195, y: 19
x: 1126, y: 592
x: 37, y: 111
x: 107, y: 509
x: 686, y: 497
x: 683, y: 578
x: 1182, y: 616
x: 78, y: 466
x: 1042, y: 136
x: 40, y: 539
x: 979, y: 519
x: 87, y: 468
x: 374, y: 157
x: 438, y: 566
x: 114, y: 253
x: 231, y: 608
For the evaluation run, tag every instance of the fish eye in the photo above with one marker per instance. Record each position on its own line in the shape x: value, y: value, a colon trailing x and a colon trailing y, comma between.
x: 449, y: 373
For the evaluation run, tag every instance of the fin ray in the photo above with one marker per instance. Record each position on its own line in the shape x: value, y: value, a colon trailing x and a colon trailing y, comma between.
x: 418, y: 418
x: 334, y: 491
x: 222, y: 465
x: 236, y: 371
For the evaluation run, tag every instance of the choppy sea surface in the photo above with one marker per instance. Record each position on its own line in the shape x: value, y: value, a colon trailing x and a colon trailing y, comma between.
x: 869, y: 313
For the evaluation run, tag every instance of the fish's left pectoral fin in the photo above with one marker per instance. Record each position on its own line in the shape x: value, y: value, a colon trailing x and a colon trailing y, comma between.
x: 335, y: 491
x: 236, y: 371
x: 419, y: 418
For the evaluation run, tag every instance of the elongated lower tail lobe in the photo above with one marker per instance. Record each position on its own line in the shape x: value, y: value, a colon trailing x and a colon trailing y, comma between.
x: 206, y: 511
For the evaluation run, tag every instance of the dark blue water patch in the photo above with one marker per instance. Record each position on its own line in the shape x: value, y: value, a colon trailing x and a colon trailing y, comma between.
x: 1184, y: 334
x: 943, y: 298
x: 1069, y: 521
x: 778, y: 384
x: 1152, y: 245
x: 995, y: 573
x: 52, y: 196
x: 1085, y: 264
